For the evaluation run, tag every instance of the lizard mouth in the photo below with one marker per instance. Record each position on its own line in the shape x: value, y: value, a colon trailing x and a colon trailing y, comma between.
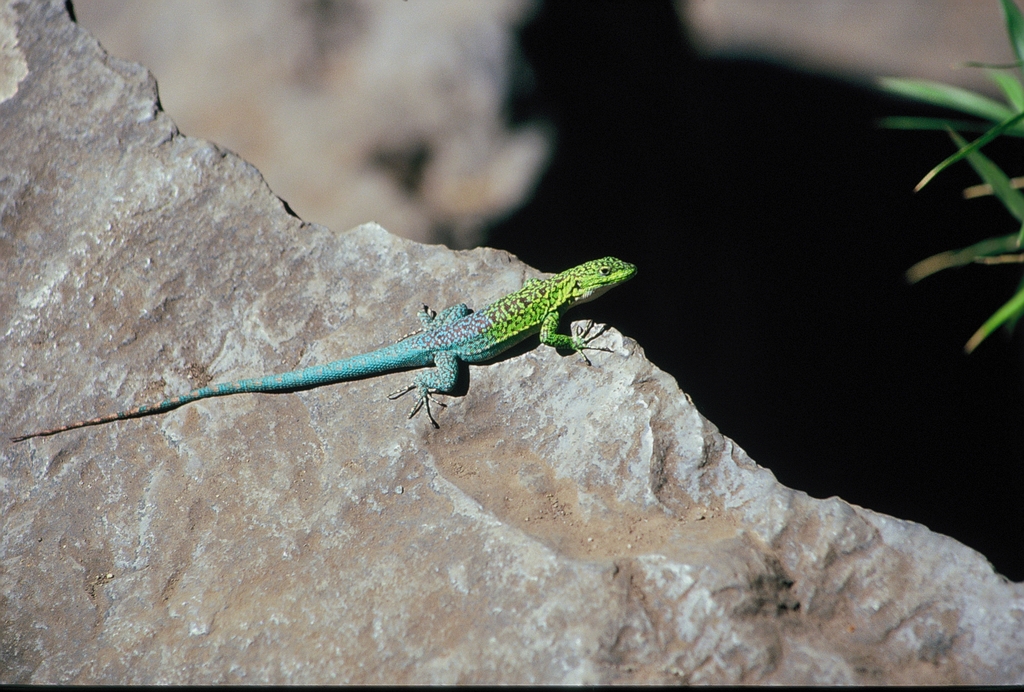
x: 593, y: 293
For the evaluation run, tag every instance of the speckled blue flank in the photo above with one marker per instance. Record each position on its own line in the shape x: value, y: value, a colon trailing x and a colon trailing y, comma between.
x: 455, y: 335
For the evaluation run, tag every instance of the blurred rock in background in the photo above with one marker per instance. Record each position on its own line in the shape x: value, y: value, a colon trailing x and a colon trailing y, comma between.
x: 396, y: 112
x: 352, y: 110
x: 926, y: 39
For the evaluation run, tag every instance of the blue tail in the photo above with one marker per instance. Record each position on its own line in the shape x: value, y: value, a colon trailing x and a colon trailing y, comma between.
x: 388, y: 359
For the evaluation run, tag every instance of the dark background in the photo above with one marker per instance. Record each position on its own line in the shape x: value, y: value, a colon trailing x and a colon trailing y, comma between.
x: 772, y: 222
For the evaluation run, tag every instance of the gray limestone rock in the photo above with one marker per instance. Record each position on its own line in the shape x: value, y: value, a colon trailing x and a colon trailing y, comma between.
x: 566, y: 524
x: 351, y: 109
x: 921, y: 39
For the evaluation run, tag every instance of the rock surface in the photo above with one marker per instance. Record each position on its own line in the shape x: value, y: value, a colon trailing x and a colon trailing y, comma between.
x: 566, y: 524
x: 353, y: 110
x: 922, y: 39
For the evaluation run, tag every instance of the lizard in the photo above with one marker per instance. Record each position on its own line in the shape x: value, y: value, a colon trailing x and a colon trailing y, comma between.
x: 446, y: 338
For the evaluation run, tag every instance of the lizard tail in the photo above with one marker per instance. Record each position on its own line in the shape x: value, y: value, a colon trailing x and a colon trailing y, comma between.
x: 163, y: 406
x: 71, y: 426
x: 270, y: 383
x: 384, y: 360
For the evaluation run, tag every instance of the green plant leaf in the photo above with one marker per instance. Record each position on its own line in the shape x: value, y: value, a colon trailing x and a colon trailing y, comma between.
x: 1011, y: 86
x: 969, y: 148
x: 946, y: 96
x: 1014, y: 27
x: 1002, y: 186
x: 1011, y: 323
x: 958, y: 258
x: 913, y: 122
x: 992, y: 65
x: 1011, y: 310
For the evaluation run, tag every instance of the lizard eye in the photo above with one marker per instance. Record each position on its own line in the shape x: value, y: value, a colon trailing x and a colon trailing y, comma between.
x: 605, y: 271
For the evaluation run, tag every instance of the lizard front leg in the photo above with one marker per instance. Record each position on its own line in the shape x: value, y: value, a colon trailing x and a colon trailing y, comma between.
x: 578, y: 342
x: 440, y: 379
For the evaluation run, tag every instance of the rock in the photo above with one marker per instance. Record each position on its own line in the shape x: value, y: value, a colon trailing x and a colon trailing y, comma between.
x: 922, y: 39
x: 353, y: 110
x: 566, y: 524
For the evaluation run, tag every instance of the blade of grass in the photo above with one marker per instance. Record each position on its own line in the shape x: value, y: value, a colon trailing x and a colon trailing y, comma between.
x: 959, y: 258
x: 1014, y: 27
x: 946, y: 96
x: 1002, y: 186
x: 1002, y: 259
x: 1011, y: 86
x: 991, y: 65
x: 984, y: 189
x: 900, y: 122
x: 1011, y: 323
x: 1009, y: 311
x: 970, y: 148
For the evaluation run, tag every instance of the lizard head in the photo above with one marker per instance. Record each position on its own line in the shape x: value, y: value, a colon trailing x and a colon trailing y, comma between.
x: 591, y: 279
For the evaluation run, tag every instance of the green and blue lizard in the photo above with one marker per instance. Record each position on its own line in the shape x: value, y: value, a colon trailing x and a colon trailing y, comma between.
x: 456, y: 334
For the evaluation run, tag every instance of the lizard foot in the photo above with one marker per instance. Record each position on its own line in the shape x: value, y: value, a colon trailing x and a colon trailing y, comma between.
x: 424, y: 399
x: 426, y: 316
x: 583, y: 337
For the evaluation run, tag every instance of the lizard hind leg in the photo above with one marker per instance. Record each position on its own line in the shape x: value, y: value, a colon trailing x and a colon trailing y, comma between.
x: 422, y: 401
x: 446, y: 316
x: 439, y: 379
x: 432, y: 320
